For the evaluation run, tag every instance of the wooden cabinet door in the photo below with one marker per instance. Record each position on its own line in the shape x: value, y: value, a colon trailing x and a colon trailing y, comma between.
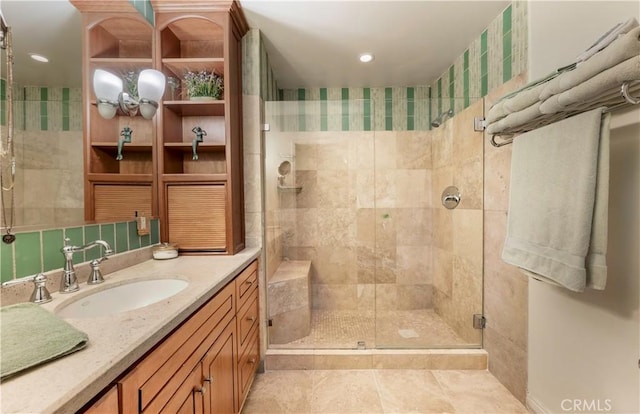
x: 197, y: 216
x: 189, y: 398
x: 107, y: 404
x: 220, y: 373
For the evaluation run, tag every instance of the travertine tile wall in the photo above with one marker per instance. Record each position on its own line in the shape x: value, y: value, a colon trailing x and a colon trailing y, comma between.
x: 505, y: 287
x: 48, y: 149
x: 457, y: 233
x: 363, y: 215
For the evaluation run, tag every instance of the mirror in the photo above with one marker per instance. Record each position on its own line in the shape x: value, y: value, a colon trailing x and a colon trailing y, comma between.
x: 47, y: 115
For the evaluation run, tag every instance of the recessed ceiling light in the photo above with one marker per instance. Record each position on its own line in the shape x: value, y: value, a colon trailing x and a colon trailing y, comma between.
x: 366, y: 57
x: 38, y: 57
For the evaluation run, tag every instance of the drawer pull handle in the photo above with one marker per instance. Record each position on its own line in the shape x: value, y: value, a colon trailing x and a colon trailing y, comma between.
x: 251, y: 319
x: 201, y: 390
x: 252, y: 361
x: 249, y: 282
x: 208, y: 379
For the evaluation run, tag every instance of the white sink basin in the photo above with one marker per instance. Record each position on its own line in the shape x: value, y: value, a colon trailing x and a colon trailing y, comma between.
x: 121, y: 298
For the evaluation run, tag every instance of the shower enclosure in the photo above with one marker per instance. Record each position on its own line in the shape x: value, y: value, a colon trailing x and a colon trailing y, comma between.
x: 360, y: 251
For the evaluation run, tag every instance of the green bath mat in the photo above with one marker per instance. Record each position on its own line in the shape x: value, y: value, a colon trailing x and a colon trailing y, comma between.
x: 31, y: 336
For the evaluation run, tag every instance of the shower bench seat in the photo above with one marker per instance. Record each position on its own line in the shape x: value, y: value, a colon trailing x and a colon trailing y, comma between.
x: 289, y: 304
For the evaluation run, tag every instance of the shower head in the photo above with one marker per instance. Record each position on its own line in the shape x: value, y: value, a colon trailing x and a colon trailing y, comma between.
x: 441, y: 118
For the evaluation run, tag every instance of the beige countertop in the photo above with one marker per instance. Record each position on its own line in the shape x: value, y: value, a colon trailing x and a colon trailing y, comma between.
x: 119, y: 340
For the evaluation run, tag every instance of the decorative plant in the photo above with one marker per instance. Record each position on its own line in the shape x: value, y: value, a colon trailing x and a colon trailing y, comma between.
x: 130, y: 82
x: 203, y: 83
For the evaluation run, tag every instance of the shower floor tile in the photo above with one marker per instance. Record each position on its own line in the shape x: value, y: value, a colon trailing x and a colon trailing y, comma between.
x: 379, y: 391
x: 391, y: 329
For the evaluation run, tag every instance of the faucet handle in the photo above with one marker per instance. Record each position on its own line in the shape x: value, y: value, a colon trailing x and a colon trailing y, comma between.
x: 40, y: 293
x: 96, y: 275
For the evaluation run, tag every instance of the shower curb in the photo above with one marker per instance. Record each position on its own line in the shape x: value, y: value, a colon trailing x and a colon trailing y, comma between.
x: 462, y: 359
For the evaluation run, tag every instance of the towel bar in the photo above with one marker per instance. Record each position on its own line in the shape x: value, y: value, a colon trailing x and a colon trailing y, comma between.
x: 506, y: 141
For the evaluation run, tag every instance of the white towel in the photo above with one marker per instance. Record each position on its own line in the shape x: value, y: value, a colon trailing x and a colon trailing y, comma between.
x: 626, y: 47
x: 603, y: 82
x: 606, y: 39
x: 558, y: 202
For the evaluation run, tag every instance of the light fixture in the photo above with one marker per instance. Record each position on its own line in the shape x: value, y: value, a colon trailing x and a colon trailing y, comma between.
x: 38, y: 57
x: 110, y: 95
x: 366, y: 57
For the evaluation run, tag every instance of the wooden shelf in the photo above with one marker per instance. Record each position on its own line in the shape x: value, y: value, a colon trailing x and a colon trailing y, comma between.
x: 196, y: 108
x: 187, y: 147
x: 120, y: 178
x: 194, y: 178
x: 179, y: 66
x: 128, y: 147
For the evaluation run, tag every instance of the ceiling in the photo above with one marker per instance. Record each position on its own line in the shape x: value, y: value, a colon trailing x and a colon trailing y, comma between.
x: 310, y: 43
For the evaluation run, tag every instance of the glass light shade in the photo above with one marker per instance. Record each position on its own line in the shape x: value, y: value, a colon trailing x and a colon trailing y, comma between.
x: 147, y: 110
x: 106, y: 85
x: 107, y: 110
x: 151, y: 85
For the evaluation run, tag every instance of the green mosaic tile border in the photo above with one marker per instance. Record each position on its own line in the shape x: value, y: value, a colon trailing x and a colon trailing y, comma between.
x: 38, y: 108
x: 39, y: 251
x: 495, y: 57
x: 352, y: 109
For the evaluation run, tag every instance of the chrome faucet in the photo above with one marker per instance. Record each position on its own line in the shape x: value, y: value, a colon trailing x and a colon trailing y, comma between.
x: 69, y: 281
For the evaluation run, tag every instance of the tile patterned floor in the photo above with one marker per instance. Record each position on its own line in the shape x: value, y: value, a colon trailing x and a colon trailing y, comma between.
x: 388, y: 329
x: 379, y: 391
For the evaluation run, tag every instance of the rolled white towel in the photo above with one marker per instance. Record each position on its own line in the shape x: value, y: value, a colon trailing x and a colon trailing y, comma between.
x: 620, y: 50
x: 628, y: 70
x: 607, y: 38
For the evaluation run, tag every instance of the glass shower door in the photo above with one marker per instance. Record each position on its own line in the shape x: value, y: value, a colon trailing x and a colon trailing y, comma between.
x: 319, y: 192
x: 429, y: 258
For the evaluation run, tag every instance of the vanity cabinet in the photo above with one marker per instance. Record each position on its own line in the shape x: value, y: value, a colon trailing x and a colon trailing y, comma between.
x: 207, y: 364
x: 194, y: 185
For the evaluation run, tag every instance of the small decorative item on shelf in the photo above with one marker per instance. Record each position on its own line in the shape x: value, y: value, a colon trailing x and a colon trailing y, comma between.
x: 126, y: 138
x: 200, y: 133
x: 203, y: 85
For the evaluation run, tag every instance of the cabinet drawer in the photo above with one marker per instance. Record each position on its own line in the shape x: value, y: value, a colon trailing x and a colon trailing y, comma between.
x: 246, y: 282
x: 248, y: 365
x: 166, y: 367
x: 247, y: 318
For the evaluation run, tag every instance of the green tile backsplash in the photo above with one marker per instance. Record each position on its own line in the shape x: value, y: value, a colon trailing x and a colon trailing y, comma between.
x: 155, y: 231
x: 122, y: 237
x: 6, y: 262
x: 134, y: 239
x: 92, y: 233
x: 39, y: 251
x: 76, y: 238
x: 28, y: 251
x: 52, y: 242
x: 108, y: 234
